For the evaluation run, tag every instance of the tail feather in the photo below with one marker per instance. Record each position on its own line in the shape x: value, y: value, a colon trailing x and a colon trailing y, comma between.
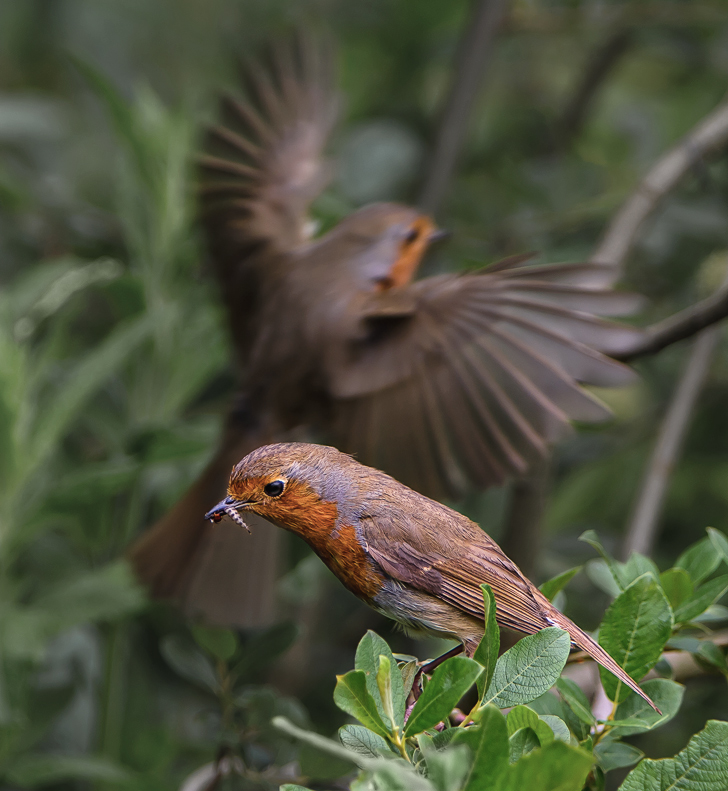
x: 597, y: 653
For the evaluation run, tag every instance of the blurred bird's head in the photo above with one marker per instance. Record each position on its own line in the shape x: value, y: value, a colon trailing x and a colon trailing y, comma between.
x: 385, y: 242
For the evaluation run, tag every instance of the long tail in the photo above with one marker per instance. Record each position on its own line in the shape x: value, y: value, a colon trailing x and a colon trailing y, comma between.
x: 213, y: 571
x: 596, y: 652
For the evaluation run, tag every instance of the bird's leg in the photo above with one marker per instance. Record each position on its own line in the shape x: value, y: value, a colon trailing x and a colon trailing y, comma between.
x: 427, y: 669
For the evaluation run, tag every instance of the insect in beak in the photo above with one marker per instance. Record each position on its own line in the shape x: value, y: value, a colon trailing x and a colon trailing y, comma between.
x: 228, y: 507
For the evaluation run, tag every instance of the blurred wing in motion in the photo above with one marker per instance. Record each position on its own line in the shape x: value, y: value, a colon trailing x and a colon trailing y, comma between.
x: 475, y: 378
x: 263, y: 165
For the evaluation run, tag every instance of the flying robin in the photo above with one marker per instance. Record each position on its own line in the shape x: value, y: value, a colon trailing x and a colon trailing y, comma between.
x: 411, y: 558
x: 449, y: 382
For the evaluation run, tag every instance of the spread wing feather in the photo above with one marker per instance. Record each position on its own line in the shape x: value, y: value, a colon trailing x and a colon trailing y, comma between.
x: 263, y: 165
x: 489, y: 365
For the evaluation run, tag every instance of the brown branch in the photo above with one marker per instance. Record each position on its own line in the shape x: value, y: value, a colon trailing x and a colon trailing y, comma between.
x: 475, y: 50
x: 642, y: 528
x: 603, y: 60
x: 678, y: 327
x: 621, y: 234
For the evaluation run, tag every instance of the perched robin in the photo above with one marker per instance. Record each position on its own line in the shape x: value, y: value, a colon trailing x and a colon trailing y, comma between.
x: 411, y: 558
x: 449, y: 382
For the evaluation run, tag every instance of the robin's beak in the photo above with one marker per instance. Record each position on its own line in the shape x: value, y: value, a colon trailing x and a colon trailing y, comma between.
x: 223, y: 508
x: 438, y: 235
x: 229, y: 507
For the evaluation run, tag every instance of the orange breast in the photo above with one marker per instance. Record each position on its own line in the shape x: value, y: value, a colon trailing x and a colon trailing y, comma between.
x: 301, y: 511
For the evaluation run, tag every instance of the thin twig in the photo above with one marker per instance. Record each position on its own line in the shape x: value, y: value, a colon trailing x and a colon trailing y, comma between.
x: 613, y: 250
x: 678, y: 327
x: 475, y: 50
x: 600, y: 65
x: 640, y: 535
x: 617, y: 242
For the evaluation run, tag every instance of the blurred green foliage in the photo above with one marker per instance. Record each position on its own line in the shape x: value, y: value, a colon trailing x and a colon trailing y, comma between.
x: 114, y: 367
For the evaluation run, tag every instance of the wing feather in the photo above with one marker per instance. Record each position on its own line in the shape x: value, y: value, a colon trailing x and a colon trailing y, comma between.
x: 269, y: 149
x: 488, y: 365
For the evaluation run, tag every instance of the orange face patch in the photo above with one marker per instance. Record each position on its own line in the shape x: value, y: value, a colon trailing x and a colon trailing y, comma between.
x: 300, y: 510
x: 410, y: 255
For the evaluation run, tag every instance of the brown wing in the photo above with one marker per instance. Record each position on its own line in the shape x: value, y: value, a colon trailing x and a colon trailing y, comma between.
x: 472, y: 383
x: 263, y: 165
x: 427, y: 546
x: 430, y: 558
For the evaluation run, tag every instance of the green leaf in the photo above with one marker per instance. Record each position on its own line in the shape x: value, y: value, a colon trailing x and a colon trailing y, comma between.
x: 681, y: 642
x: 712, y: 654
x: 220, y: 643
x: 719, y: 542
x: 322, y: 743
x: 370, y: 648
x: 599, y: 574
x: 448, y: 684
x: 700, y: 560
x: 188, y: 661
x: 521, y: 743
x: 96, y: 366
x: 352, y: 696
x: 384, y: 685
x: 576, y: 700
x: 529, y: 668
x: 548, y: 704
x: 390, y: 772
x: 703, y: 597
x: 591, y: 538
x: 441, y: 739
x: 523, y: 717
x: 558, y: 727
x: 701, y: 766
x: 555, y: 767
x: 667, y: 696
x: 363, y: 741
x: 447, y: 769
x: 121, y: 115
x: 488, y: 743
x: 615, y: 755
x: 487, y: 651
x: 42, y: 769
x: 318, y: 764
x: 104, y: 594
x: 634, y: 631
x: 677, y: 586
x: 716, y: 613
x: 408, y: 670
x: 292, y: 787
x: 635, y: 567
x: 551, y: 587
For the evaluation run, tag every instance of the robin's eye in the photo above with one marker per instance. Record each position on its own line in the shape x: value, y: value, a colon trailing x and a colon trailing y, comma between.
x: 274, y: 488
x: 412, y: 234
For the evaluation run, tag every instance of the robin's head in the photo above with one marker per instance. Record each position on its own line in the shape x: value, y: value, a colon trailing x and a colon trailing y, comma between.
x: 295, y: 485
x: 390, y: 241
